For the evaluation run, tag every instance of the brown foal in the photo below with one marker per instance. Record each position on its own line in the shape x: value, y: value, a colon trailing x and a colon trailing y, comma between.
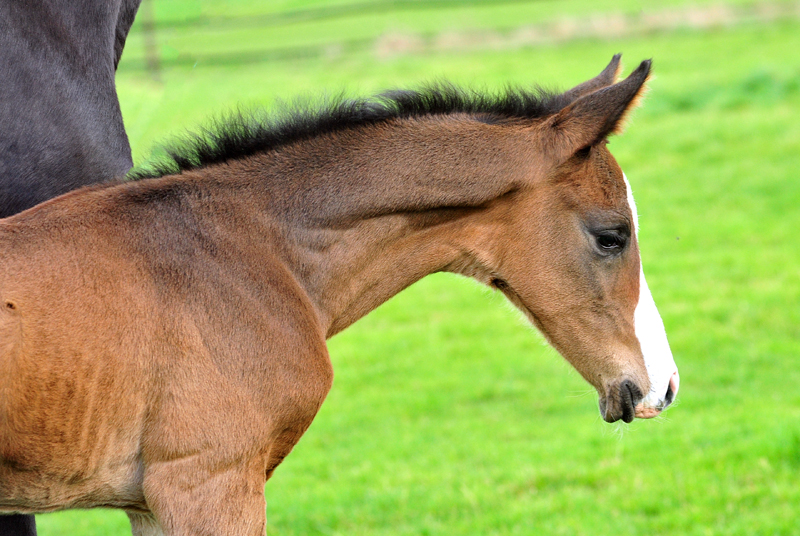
x: 162, y: 341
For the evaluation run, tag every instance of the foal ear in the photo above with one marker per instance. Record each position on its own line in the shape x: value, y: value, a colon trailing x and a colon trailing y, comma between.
x: 604, y: 79
x: 595, y: 116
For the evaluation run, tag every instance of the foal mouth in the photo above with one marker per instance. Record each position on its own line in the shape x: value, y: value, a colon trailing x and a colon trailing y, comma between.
x: 626, y: 402
x: 645, y: 411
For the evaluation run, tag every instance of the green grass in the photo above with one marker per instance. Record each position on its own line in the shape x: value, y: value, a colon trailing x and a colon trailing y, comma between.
x: 450, y: 416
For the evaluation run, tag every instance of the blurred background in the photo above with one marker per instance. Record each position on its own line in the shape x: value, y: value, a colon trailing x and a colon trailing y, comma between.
x: 449, y: 415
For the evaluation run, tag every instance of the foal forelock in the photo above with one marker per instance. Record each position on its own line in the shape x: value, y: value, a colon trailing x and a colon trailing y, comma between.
x: 650, y: 332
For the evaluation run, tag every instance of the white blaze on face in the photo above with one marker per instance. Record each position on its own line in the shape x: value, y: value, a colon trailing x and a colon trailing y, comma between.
x: 652, y: 337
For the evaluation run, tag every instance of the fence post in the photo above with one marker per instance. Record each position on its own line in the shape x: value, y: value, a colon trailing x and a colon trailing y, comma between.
x: 150, y: 46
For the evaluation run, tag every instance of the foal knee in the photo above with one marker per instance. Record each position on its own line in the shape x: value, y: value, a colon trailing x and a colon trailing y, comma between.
x: 191, y: 497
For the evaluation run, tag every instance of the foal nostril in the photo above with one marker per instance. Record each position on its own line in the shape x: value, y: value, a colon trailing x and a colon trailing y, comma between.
x: 672, y: 390
x: 669, y: 397
x: 620, y: 403
x: 630, y: 395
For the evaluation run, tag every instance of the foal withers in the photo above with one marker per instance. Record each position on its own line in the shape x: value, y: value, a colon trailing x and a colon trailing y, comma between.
x: 162, y: 342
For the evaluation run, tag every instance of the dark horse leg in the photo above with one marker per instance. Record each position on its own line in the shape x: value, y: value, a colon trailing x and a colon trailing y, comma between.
x: 51, y: 143
x: 17, y: 525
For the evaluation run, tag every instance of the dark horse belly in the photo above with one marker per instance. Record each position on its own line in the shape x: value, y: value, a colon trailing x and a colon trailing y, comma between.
x: 61, y: 122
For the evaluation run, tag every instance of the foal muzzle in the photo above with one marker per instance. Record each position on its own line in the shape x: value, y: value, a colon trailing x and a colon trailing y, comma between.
x: 626, y: 401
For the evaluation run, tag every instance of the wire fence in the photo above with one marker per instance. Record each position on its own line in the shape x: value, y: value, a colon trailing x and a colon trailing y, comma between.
x: 165, y: 43
x: 332, y: 12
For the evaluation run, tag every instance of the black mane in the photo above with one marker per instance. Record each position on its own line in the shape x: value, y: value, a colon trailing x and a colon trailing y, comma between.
x: 243, y: 134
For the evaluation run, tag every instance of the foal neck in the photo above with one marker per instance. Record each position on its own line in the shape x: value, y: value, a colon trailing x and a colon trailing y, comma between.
x: 369, y: 213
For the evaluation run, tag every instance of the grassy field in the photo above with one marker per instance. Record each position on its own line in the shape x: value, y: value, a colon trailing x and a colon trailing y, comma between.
x: 448, y: 414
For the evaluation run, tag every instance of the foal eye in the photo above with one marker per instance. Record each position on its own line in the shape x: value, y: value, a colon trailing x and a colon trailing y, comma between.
x: 611, y: 241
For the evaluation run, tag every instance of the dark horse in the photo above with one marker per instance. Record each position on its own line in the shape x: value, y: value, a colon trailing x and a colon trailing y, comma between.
x: 60, y: 123
x: 163, y: 341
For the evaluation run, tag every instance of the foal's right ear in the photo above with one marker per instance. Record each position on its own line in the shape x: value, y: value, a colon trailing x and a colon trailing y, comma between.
x: 594, y: 116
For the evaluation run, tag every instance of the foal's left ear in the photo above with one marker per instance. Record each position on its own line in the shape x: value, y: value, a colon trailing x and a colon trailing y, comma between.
x: 607, y: 77
x: 593, y: 117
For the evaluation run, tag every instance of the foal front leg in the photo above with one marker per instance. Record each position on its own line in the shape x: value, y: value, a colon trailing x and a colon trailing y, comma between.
x: 190, y: 498
x: 144, y: 525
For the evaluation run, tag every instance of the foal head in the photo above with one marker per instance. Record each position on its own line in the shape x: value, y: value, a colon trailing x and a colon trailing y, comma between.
x: 572, y: 263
